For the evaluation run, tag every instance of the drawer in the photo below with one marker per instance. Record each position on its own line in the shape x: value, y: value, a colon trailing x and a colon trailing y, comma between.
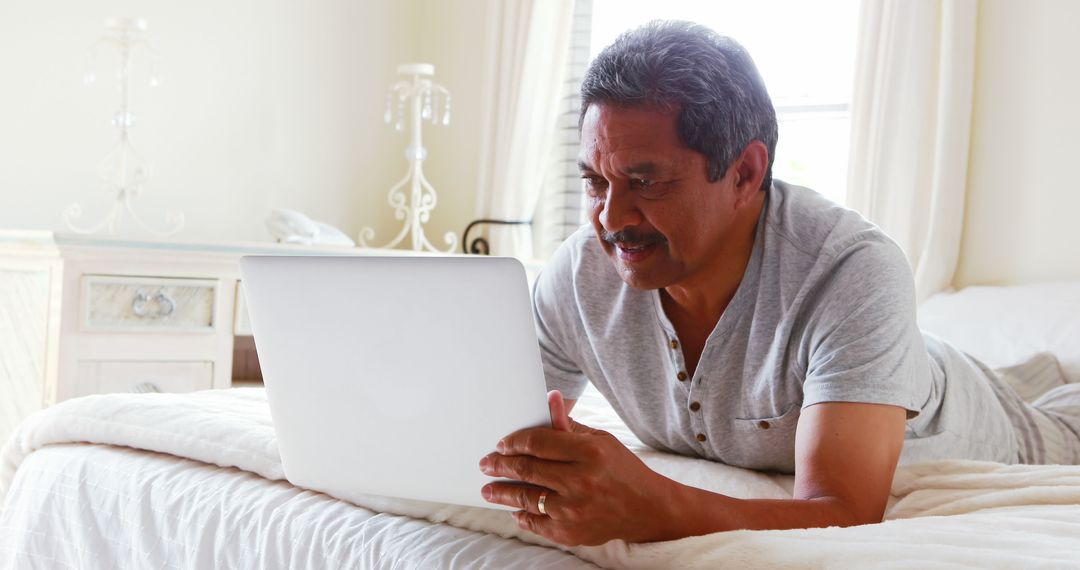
x: 102, y: 377
x: 241, y: 322
x: 113, y: 303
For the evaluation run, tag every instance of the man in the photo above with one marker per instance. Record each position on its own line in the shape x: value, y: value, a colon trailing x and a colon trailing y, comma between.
x: 732, y: 317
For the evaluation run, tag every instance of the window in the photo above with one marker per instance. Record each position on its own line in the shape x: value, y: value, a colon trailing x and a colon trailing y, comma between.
x: 805, y: 52
x: 562, y: 206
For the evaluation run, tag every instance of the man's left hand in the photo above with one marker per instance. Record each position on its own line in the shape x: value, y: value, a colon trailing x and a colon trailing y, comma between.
x: 594, y: 489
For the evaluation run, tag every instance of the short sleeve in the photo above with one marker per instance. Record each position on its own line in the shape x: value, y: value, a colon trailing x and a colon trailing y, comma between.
x: 558, y: 325
x: 862, y: 341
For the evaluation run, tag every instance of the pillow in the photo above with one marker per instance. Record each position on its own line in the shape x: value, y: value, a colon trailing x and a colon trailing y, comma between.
x: 1005, y: 326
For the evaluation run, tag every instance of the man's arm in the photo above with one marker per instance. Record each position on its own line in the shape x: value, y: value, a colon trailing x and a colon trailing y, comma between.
x: 597, y: 490
x: 845, y: 457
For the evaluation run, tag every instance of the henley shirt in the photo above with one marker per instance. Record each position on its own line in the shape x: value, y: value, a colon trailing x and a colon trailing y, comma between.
x: 825, y: 312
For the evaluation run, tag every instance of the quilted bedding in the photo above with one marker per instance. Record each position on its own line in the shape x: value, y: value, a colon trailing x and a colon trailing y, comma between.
x: 198, y: 483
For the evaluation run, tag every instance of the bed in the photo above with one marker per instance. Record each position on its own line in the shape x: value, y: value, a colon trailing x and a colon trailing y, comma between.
x: 194, y: 481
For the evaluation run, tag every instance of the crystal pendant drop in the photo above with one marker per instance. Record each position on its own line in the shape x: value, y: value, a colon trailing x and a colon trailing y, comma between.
x: 155, y: 73
x: 425, y: 109
x: 122, y: 119
x: 89, y: 76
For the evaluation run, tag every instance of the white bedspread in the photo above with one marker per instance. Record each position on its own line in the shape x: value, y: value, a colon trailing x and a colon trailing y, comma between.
x: 997, y: 516
x: 90, y: 507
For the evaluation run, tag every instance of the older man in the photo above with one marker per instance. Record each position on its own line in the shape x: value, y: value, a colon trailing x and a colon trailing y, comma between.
x: 732, y: 317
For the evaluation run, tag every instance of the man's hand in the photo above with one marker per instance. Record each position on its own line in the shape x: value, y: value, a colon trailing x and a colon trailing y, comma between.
x: 596, y: 489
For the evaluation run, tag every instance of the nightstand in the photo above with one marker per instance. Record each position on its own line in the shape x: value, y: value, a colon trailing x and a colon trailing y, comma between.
x: 87, y: 315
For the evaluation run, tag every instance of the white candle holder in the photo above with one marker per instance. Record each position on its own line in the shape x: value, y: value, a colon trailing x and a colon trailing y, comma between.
x: 429, y: 102
x: 123, y: 173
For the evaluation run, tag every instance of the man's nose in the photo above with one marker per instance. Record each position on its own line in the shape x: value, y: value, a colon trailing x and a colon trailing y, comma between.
x: 620, y: 210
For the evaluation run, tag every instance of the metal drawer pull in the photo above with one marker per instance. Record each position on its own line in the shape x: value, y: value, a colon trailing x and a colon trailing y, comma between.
x: 145, y: 388
x: 163, y: 305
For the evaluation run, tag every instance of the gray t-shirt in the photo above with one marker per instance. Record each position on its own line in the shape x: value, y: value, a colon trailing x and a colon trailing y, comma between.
x: 825, y: 312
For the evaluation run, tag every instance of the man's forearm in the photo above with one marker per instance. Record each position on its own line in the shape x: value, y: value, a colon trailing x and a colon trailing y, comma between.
x: 695, y: 512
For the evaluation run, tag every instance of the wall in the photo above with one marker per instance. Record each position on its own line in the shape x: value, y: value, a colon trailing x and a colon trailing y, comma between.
x: 263, y: 103
x: 452, y: 38
x: 1023, y: 209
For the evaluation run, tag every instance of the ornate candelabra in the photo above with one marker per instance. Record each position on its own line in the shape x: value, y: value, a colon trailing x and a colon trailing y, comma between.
x: 429, y: 102
x: 123, y: 173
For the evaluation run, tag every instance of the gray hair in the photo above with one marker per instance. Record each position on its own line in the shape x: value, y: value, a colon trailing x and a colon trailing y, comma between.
x: 710, y: 78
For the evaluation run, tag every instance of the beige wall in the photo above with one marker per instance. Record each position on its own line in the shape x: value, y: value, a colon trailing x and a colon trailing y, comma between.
x: 279, y: 103
x: 264, y: 103
x: 453, y: 39
x: 1023, y: 205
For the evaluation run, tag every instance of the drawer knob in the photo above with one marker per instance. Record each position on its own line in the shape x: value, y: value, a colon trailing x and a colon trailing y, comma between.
x: 145, y: 388
x: 156, y: 306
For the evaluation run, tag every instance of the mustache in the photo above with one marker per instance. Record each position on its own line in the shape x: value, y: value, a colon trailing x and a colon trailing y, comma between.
x: 632, y: 238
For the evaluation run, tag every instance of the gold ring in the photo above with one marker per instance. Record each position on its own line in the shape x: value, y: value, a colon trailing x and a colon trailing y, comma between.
x: 540, y: 503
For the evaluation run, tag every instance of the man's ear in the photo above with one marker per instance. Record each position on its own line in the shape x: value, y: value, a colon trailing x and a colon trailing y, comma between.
x: 750, y: 167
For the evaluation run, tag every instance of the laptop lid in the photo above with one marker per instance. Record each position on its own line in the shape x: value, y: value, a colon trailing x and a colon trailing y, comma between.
x: 393, y: 376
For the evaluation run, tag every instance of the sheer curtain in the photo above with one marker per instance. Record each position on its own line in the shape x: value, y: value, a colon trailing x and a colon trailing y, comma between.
x: 526, y: 51
x: 911, y: 126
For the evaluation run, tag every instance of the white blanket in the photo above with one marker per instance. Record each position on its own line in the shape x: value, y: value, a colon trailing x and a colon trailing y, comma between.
x: 997, y: 515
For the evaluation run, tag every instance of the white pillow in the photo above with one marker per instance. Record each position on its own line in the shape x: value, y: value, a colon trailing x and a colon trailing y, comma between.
x: 1003, y: 326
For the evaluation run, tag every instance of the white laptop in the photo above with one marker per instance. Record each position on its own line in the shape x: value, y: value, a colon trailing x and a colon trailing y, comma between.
x: 393, y: 376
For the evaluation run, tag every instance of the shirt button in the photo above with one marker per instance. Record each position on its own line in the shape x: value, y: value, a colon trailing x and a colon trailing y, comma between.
x: 695, y: 406
x: 701, y: 437
x: 681, y: 376
x: 674, y: 343
x: 763, y: 424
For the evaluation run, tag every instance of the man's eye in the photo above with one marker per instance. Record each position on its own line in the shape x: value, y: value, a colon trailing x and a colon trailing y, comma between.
x: 643, y: 182
x: 594, y: 182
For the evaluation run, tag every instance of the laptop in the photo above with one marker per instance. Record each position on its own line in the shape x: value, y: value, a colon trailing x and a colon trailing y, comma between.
x: 393, y: 376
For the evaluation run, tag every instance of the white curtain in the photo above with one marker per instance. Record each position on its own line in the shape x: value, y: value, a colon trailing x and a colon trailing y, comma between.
x: 527, y: 46
x: 911, y: 126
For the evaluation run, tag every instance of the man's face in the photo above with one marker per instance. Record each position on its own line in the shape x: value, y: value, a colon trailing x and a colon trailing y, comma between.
x: 649, y: 199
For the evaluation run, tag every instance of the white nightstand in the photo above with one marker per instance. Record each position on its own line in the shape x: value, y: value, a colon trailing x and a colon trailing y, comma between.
x: 85, y: 315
